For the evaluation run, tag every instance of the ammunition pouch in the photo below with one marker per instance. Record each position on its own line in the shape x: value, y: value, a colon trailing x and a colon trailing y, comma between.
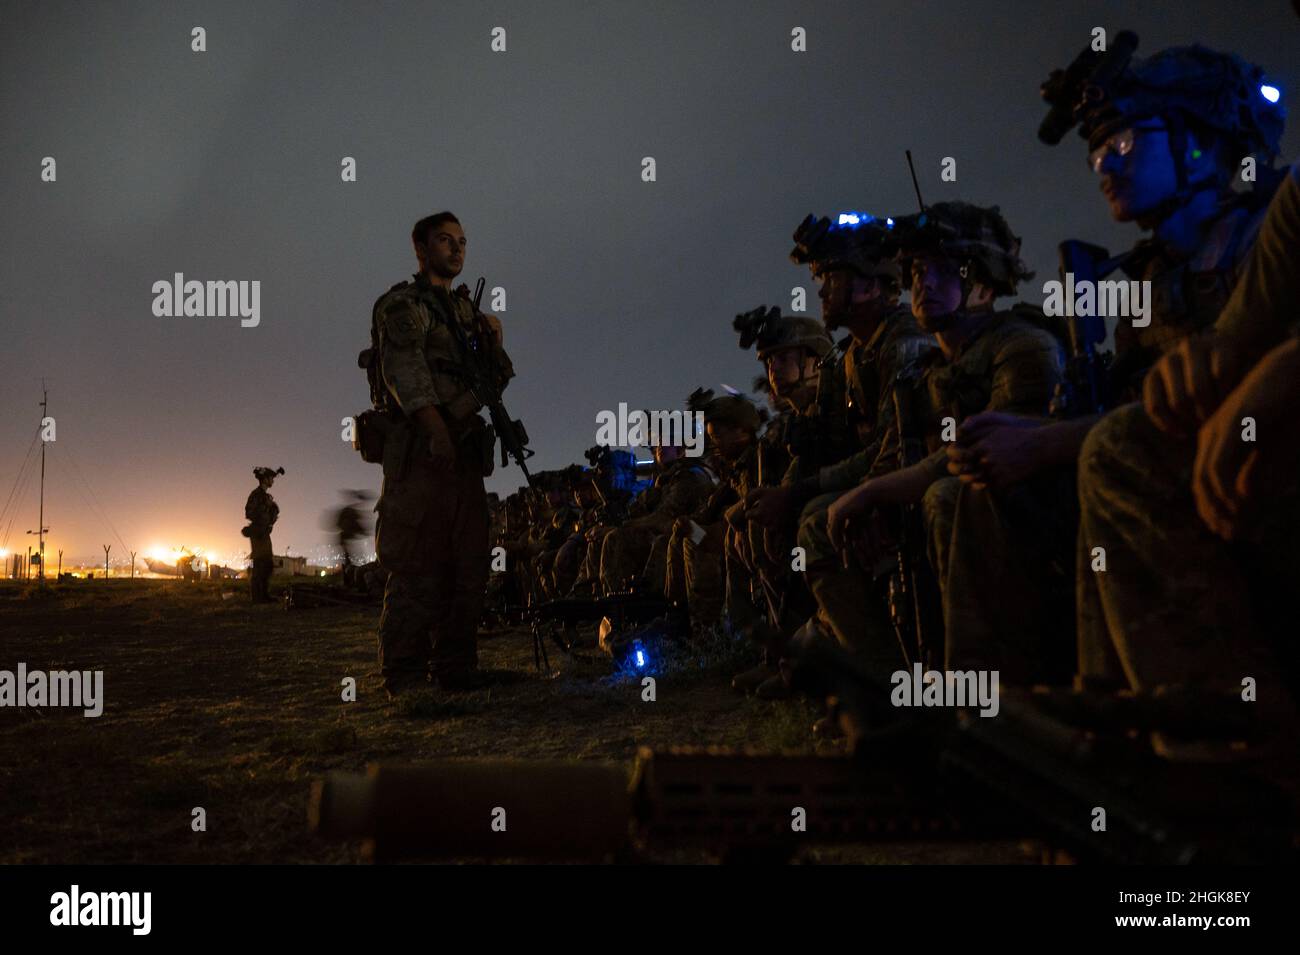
x: 483, y: 441
x: 370, y: 433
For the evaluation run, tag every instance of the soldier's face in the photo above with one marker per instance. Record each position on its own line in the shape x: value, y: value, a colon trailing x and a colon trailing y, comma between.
x: 842, y: 291
x: 936, y: 290
x: 783, y: 369
x: 728, y: 440
x: 1137, y: 170
x: 444, y: 253
x: 666, y: 453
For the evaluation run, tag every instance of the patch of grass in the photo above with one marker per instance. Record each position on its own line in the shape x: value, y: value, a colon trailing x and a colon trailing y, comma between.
x: 434, y: 704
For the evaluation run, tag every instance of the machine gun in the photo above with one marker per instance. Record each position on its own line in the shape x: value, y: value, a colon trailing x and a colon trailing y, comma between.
x: 1040, y: 769
x: 559, y: 619
x: 1086, y: 388
x: 484, y: 384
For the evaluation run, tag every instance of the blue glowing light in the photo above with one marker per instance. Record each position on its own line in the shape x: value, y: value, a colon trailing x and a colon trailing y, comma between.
x: 889, y: 223
x: 851, y: 220
x: 1270, y: 93
x: 640, y: 659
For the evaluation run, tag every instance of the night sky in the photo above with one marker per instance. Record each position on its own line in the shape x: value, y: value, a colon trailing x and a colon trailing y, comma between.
x: 226, y: 165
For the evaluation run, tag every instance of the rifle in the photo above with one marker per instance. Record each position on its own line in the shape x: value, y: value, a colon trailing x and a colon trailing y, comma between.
x: 483, y: 384
x: 924, y: 775
x: 1085, y: 389
x: 912, y: 589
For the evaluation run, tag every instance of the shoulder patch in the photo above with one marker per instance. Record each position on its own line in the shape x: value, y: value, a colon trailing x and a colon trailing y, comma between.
x: 400, y: 321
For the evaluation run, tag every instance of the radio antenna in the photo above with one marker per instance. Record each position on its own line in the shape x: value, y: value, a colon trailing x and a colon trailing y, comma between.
x: 912, y: 169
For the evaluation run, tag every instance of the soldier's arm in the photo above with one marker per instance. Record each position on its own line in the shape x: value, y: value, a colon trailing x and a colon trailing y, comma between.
x: 1265, y: 305
x: 406, y: 370
x: 1026, y: 371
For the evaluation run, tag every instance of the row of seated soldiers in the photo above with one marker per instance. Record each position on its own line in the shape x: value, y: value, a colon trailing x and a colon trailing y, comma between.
x: 958, y: 481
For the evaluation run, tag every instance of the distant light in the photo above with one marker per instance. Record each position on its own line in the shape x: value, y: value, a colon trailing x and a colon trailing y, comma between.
x: 640, y: 659
x: 889, y: 223
x: 848, y: 218
x: 322, y: 573
x: 1270, y: 93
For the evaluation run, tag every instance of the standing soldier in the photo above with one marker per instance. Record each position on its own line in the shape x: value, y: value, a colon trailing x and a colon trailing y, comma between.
x: 432, y: 531
x: 261, y: 512
x: 351, y: 527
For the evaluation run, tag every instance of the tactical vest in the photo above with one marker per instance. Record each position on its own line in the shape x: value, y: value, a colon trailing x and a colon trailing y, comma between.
x: 1186, y: 295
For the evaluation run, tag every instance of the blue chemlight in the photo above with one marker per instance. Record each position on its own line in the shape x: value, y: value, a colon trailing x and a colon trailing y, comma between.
x: 640, y: 659
x: 889, y: 223
x: 1270, y: 93
x: 851, y: 220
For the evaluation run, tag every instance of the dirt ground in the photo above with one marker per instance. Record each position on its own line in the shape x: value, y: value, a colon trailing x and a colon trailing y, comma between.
x: 211, y: 701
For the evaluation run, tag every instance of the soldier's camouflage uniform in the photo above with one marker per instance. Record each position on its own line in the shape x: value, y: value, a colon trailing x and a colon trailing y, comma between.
x: 978, y: 545
x: 697, y: 574
x: 1175, y: 604
x: 626, y: 552
x: 261, y: 511
x: 867, y: 374
x: 432, y: 529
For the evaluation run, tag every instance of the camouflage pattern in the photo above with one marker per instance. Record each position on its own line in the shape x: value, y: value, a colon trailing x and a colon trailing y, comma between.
x: 870, y: 370
x: 975, y: 235
x: 432, y: 531
x: 677, y: 491
x: 1010, y: 364
x: 420, y: 356
x: 1176, y: 604
x: 696, y: 571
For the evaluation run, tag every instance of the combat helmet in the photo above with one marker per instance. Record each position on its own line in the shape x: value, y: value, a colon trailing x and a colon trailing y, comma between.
x: 977, y: 236
x: 731, y: 409
x: 1104, y: 92
x: 772, y: 332
x: 261, y: 473
x: 853, y: 240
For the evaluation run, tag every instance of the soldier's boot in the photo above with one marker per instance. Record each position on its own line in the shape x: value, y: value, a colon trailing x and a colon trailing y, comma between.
x: 404, y: 628
x: 749, y: 681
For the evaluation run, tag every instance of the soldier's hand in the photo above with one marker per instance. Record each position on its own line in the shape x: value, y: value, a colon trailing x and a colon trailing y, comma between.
x: 441, y: 453
x: 1188, y: 383
x: 769, y: 506
x: 848, y: 507
x: 1232, y: 475
x: 494, y: 325
x: 1002, y: 454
